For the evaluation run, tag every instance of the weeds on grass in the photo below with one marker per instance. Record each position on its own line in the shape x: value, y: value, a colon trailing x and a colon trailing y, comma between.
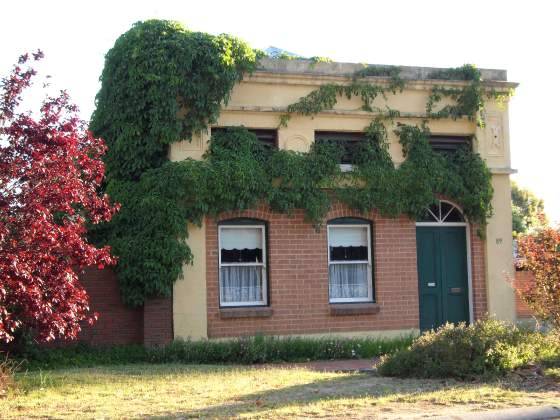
x: 7, y: 369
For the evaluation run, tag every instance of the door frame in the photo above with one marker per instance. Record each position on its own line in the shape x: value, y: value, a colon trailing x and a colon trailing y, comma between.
x: 467, y: 227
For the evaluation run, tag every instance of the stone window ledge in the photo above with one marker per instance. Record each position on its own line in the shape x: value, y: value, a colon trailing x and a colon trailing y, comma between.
x: 367, y: 308
x: 248, y: 312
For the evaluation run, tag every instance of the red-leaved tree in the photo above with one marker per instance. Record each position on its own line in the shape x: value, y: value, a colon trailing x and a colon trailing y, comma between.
x: 540, y: 253
x: 50, y: 173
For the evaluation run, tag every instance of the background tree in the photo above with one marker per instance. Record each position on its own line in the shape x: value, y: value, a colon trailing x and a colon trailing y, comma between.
x: 527, y: 210
x: 50, y: 173
x: 541, y: 255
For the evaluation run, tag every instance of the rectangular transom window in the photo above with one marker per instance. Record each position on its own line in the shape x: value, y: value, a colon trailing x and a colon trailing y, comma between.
x: 242, y: 261
x: 348, y: 141
x: 350, y: 271
x: 449, y: 144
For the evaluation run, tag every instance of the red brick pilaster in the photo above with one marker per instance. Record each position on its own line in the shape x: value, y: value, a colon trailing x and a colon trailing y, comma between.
x: 158, y: 321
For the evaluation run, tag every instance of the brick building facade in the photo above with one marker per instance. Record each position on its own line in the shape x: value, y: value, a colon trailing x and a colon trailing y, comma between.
x: 292, y: 267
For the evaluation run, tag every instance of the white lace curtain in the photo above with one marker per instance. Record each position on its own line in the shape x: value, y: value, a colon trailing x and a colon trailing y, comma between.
x: 348, y: 281
x: 241, y: 284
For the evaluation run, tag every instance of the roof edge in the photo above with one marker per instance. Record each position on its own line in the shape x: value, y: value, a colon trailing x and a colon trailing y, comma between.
x: 310, y: 67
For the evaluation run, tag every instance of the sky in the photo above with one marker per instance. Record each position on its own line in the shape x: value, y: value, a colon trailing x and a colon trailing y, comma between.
x: 519, y: 36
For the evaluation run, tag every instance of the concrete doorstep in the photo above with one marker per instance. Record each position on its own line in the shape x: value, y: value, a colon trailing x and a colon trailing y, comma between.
x: 525, y: 413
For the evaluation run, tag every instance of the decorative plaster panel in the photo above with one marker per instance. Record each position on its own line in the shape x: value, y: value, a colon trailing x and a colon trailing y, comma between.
x: 494, y: 135
x: 195, y: 145
x: 297, y: 143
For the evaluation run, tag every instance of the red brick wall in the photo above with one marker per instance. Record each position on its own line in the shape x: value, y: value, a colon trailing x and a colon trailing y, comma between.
x: 118, y: 324
x: 158, y: 321
x: 522, y: 278
x: 298, y: 273
x: 298, y: 286
x: 478, y: 274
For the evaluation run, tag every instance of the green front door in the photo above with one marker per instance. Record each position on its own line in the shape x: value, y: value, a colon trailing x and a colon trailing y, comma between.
x: 442, y: 275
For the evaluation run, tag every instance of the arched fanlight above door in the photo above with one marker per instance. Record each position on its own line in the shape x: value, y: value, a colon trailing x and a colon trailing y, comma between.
x: 442, y: 212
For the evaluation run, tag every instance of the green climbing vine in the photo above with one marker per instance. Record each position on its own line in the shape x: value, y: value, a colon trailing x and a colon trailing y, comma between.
x: 237, y: 173
x: 162, y: 83
x: 314, y: 60
x: 393, y: 72
x: 469, y: 99
x: 326, y: 96
x: 424, y: 175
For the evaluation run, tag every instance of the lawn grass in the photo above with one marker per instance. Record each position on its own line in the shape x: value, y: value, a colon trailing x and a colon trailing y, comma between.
x: 177, y: 391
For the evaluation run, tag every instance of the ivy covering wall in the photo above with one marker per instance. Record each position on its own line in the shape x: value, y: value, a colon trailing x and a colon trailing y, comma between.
x: 162, y: 83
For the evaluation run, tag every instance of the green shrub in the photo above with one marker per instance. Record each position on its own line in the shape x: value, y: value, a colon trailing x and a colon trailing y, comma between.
x: 249, y: 350
x: 485, y: 348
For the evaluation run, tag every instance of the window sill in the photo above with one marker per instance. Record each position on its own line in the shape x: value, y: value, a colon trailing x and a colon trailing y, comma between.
x: 366, y: 308
x: 246, y: 312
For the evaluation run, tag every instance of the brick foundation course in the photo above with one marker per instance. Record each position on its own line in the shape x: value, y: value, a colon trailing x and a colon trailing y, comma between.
x: 298, y: 278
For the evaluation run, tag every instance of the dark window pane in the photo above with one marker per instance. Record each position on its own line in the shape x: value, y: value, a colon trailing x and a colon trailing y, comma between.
x: 241, y: 255
x: 445, y: 208
x: 449, y: 144
x: 348, y: 253
x: 350, y: 143
x: 337, y: 253
x: 269, y: 138
x: 348, y: 221
x: 434, y: 208
x: 427, y: 217
x: 450, y: 213
x: 230, y: 255
x: 455, y: 216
